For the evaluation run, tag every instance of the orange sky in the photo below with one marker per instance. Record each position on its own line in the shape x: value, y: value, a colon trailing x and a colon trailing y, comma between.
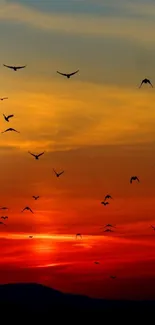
x: 98, y: 126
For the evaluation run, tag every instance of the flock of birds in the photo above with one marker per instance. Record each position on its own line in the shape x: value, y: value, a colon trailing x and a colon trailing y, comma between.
x: 108, y: 227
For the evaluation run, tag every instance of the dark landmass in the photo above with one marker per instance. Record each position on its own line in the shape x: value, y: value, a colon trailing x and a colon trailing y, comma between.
x: 27, y: 300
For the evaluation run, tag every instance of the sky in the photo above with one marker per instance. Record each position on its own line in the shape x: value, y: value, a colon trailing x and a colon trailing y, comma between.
x: 97, y: 126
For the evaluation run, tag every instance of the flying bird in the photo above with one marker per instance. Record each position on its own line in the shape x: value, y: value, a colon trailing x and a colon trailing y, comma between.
x: 145, y: 81
x: 107, y: 197
x: 58, y: 174
x: 15, y: 68
x: 2, y: 98
x: 134, y: 178
x: 3, y: 208
x: 10, y: 129
x: 36, y: 197
x: 96, y: 263
x: 7, y: 117
x: 68, y: 75
x: 36, y: 156
x: 104, y: 203
x: 30, y: 236
x: 4, y: 217
x: 113, y: 276
x: 79, y: 235
x: 27, y: 208
x: 109, y: 225
x: 108, y: 230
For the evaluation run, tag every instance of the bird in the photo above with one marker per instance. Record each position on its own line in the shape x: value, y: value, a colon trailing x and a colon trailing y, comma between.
x: 96, y: 263
x: 30, y: 236
x: 68, y: 75
x: 107, y: 197
x: 27, y: 208
x: 10, y: 129
x: 134, y: 178
x: 79, y: 235
x: 109, y: 225
x: 3, y: 208
x: 36, y: 156
x: 58, y: 174
x: 113, y: 276
x: 2, y: 98
x: 4, y: 217
x: 145, y: 81
x: 36, y: 197
x: 108, y: 230
x: 104, y: 203
x: 7, y: 117
x: 15, y: 68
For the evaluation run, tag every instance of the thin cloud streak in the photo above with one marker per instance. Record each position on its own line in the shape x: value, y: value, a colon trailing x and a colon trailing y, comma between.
x: 133, y: 29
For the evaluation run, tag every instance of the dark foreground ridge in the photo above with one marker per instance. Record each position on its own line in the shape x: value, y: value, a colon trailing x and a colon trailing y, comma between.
x: 37, y: 300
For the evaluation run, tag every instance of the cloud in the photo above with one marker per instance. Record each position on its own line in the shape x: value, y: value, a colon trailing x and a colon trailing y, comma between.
x: 115, y: 26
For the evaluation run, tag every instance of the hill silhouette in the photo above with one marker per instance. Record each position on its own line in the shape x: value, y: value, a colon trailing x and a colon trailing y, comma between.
x: 38, y: 300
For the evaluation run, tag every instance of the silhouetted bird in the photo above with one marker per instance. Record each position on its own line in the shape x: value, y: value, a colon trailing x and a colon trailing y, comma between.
x: 113, y: 276
x: 36, y: 156
x: 10, y: 129
x: 107, y: 197
x: 108, y: 230
x: 104, y: 203
x: 79, y: 235
x: 109, y: 225
x: 2, y: 98
x: 30, y: 236
x: 27, y: 208
x: 15, y: 68
x: 96, y: 263
x: 68, y: 75
x: 134, y: 178
x: 3, y: 208
x: 7, y: 117
x: 58, y: 174
x: 36, y: 197
x: 145, y: 81
x: 4, y: 217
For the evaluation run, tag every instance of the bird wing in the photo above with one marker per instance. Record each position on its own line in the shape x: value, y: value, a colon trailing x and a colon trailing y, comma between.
x: 2, y: 217
x: 63, y: 74
x: 137, y: 179
x: 141, y: 83
x: 71, y: 74
x: 31, y: 154
x: 30, y: 210
x: 40, y: 154
x: 11, y: 129
x: 21, y: 67
x: 23, y: 210
x: 54, y: 171
x: 10, y: 115
x: 150, y: 83
x: 61, y: 173
x: 8, y: 66
x: 131, y: 179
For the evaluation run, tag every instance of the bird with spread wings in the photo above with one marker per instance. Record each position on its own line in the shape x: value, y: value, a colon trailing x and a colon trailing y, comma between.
x: 68, y: 75
x: 15, y: 68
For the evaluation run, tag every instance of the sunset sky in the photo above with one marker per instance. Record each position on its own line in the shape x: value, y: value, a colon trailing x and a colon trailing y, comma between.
x: 97, y: 126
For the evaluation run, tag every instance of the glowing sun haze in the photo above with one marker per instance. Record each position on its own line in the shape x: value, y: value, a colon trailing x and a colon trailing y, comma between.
x: 97, y: 126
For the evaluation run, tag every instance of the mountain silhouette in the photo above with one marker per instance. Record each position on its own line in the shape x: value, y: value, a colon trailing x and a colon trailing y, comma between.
x: 37, y: 300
